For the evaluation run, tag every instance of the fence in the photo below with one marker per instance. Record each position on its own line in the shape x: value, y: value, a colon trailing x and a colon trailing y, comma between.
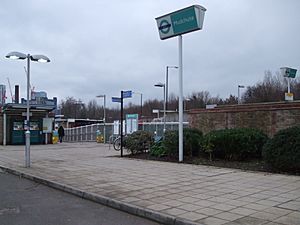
x: 88, y: 133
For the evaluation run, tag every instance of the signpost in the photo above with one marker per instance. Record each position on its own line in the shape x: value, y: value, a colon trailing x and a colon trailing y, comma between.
x: 180, y: 22
x: 288, y: 73
x: 124, y: 94
x: 127, y: 94
x: 131, y: 123
x: 116, y: 99
x: 176, y: 24
x: 47, y: 127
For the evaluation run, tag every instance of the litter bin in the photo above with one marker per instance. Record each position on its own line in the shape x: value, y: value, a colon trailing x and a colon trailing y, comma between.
x: 99, y: 137
x: 54, y: 137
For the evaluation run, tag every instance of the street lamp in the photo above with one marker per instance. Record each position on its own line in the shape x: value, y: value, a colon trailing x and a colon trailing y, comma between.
x: 164, y: 89
x: 139, y: 93
x: 239, y: 86
x: 36, y: 58
x: 104, y: 114
x: 167, y: 82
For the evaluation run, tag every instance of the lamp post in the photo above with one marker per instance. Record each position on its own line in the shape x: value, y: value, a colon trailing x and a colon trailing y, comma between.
x: 141, y: 94
x: 164, y: 89
x: 36, y: 58
x: 239, y: 86
x: 104, y: 115
x: 167, y: 83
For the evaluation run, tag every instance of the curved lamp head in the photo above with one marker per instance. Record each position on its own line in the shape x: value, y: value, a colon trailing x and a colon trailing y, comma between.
x: 159, y: 84
x: 16, y: 55
x: 175, y: 67
x: 39, y: 58
x: 19, y: 55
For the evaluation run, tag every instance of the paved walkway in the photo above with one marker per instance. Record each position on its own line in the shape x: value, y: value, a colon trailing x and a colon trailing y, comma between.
x: 199, y: 194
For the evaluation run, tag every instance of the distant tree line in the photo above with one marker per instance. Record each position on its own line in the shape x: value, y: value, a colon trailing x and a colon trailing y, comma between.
x: 271, y: 89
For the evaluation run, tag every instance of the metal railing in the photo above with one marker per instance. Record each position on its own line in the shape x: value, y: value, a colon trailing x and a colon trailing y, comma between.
x: 89, y: 132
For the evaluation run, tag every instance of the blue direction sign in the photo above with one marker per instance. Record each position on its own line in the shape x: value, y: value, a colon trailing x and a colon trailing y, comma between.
x: 127, y: 94
x: 116, y: 99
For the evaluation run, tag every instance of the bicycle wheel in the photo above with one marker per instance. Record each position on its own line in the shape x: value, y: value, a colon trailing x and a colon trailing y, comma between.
x: 117, y: 144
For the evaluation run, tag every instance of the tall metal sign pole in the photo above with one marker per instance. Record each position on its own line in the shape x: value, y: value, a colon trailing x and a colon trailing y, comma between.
x: 288, y: 73
x: 175, y: 24
x: 124, y: 94
x: 121, y: 117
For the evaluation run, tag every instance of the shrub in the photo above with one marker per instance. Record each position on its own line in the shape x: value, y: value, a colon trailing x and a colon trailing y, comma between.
x: 158, y: 149
x: 191, y: 142
x: 138, y: 141
x: 283, y: 150
x: 234, y: 144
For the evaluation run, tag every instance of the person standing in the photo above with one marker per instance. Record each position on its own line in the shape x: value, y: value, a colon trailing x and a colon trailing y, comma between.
x: 61, y: 133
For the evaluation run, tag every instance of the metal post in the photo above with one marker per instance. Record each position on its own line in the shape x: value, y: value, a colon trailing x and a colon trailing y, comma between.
x: 86, y: 133
x: 167, y: 85
x: 92, y: 132
x: 121, y: 124
x: 141, y: 105
x: 104, y: 120
x: 27, y: 133
x: 238, y: 94
x: 4, y: 129
x: 164, y: 130
x: 289, y: 85
x: 46, y: 134
x: 180, y: 105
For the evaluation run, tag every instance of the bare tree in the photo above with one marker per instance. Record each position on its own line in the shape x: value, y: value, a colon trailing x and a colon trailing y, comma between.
x: 271, y: 89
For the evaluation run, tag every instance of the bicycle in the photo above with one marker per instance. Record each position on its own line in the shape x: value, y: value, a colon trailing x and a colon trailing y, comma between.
x: 117, y: 142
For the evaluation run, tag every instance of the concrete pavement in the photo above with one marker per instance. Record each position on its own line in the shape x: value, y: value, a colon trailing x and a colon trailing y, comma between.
x: 168, y: 192
x: 24, y: 202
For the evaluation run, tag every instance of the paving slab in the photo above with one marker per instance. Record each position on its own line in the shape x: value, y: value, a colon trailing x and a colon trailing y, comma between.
x: 170, y: 193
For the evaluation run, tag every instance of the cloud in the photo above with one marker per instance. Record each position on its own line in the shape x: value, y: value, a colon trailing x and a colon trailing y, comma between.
x: 102, y: 47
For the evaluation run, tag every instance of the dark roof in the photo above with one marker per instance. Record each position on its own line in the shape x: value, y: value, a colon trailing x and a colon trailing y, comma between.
x: 23, y: 107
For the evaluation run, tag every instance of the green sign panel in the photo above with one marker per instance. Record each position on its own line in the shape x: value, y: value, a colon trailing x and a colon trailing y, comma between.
x: 184, y: 20
x: 292, y: 73
x: 288, y: 72
x: 132, y: 116
x: 180, y: 22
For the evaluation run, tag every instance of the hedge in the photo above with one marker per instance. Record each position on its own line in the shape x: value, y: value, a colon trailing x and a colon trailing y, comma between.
x: 191, y: 142
x: 235, y: 144
x: 283, y: 150
x: 138, y: 141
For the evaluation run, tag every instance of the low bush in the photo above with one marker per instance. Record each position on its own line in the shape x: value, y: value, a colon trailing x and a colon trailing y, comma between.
x: 191, y: 142
x: 158, y: 149
x: 283, y: 150
x: 234, y: 144
x: 138, y: 141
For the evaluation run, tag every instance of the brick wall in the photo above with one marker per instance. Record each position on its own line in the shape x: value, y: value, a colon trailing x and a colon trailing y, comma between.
x: 269, y: 117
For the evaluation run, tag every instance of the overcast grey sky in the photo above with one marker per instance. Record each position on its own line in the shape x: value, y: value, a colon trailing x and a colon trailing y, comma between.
x: 103, y: 47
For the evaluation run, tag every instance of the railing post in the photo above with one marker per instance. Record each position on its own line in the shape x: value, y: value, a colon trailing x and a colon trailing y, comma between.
x: 86, y: 133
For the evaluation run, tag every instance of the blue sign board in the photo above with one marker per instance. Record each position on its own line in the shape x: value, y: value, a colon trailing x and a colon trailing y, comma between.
x: 116, y: 99
x: 127, y: 94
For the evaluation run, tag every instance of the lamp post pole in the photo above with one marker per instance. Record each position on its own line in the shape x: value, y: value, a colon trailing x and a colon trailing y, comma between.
x: 104, y: 116
x: 164, y: 109
x: 164, y: 89
x: 167, y: 83
x: 27, y: 132
x: 38, y: 58
x: 141, y: 103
